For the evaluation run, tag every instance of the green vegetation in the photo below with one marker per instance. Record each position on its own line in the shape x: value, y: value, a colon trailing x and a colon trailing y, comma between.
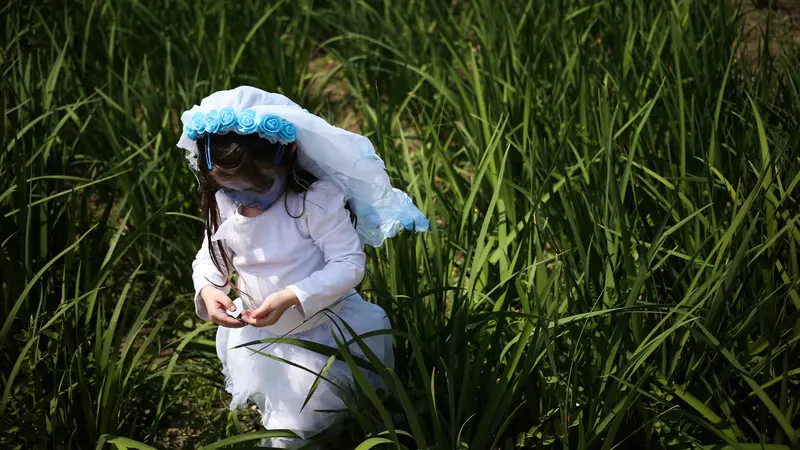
x: 614, y: 186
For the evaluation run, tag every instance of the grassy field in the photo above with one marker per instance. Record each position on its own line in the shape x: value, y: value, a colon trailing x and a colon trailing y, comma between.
x: 614, y: 187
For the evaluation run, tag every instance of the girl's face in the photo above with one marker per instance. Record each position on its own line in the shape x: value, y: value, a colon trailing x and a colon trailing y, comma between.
x: 260, y: 196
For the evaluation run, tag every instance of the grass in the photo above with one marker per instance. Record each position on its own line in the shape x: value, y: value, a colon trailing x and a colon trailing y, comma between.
x: 615, y: 189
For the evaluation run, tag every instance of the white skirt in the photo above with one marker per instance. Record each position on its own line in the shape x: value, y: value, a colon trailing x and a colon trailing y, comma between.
x: 279, y: 389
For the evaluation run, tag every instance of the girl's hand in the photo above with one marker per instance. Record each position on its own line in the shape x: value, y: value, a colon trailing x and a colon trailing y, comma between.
x: 272, y: 309
x: 217, y: 302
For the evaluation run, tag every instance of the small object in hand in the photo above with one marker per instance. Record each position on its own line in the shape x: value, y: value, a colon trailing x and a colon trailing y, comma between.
x: 239, y: 307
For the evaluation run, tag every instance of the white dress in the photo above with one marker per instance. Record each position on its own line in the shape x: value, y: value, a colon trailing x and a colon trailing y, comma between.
x: 317, y: 254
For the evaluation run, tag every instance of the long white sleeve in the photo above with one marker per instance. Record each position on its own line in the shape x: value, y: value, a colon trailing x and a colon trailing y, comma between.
x: 331, y: 230
x: 204, y: 273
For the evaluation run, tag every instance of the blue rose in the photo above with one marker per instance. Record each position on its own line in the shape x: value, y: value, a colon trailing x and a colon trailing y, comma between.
x: 196, y: 127
x: 246, y: 123
x: 212, y: 122
x: 288, y: 132
x: 227, y: 120
x: 190, y: 133
x: 269, y: 127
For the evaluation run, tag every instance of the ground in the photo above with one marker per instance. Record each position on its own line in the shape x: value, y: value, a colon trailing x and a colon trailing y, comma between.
x: 785, y: 16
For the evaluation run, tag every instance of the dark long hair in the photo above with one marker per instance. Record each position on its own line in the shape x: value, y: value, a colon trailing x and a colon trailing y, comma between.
x: 242, y: 157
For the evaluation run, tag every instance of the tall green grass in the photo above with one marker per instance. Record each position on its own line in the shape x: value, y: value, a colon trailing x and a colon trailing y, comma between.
x: 615, y: 261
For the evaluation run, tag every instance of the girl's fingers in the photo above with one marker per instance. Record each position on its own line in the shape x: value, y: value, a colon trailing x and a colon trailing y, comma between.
x: 220, y: 318
x: 262, y: 310
x: 231, y: 323
x: 250, y: 320
x: 227, y: 303
x: 271, y: 318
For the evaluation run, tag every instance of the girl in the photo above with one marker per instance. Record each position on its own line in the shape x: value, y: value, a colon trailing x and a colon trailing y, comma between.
x: 276, y: 180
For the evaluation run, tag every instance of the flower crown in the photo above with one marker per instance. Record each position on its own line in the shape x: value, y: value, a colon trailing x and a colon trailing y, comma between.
x: 270, y: 127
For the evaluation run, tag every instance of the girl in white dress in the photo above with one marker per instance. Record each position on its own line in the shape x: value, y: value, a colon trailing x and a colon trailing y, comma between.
x: 289, y: 202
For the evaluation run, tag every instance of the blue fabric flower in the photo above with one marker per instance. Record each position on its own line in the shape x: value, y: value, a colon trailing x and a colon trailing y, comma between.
x: 227, y: 120
x: 288, y: 132
x: 269, y: 127
x: 190, y: 133
x: 246, y: 123
x: 212, y: 122
x: 196, y: 127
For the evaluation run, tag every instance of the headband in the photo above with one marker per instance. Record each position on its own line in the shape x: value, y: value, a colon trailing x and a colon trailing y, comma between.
x: 226, y: 120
